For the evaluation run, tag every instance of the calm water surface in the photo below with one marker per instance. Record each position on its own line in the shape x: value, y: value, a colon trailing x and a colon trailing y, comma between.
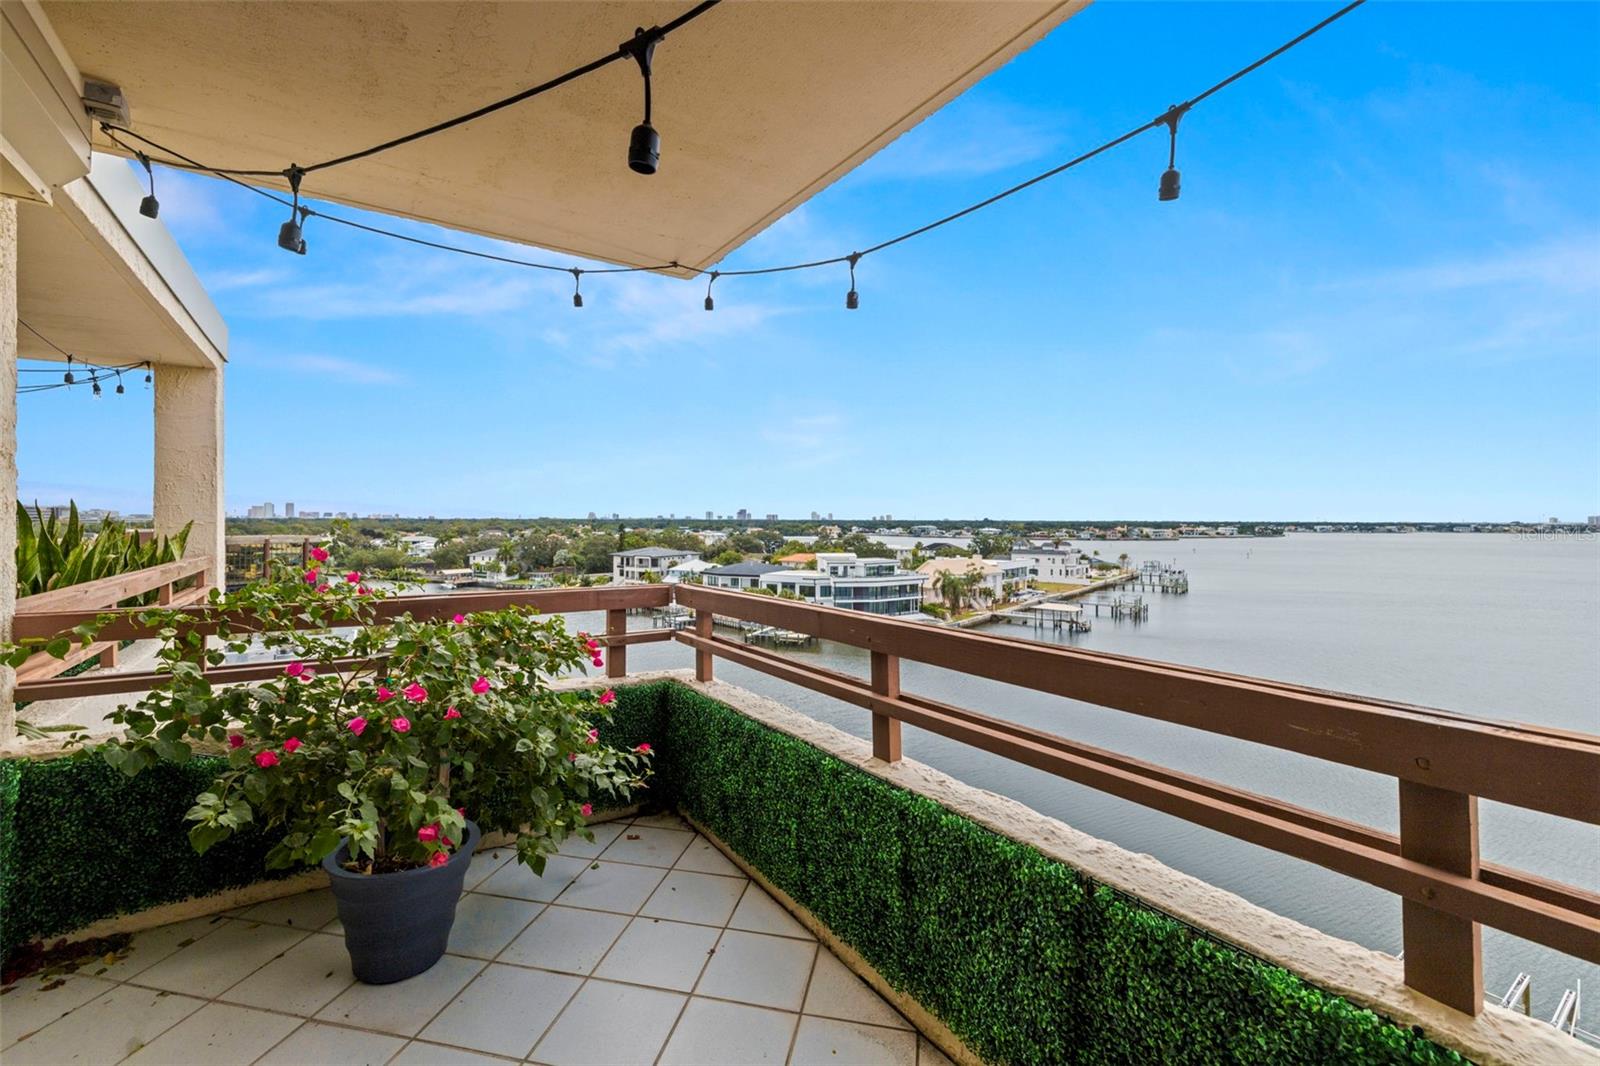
x: 1484, y: 624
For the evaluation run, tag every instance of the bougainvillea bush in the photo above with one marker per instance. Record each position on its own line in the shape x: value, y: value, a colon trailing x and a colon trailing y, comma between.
x: 380, y: 729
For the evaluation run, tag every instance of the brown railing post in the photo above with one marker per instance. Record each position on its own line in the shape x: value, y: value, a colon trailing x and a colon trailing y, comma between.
x: 266, y: 558
x: 702, y: 657
x: 616, y: 654
x: 885, y: 730
x: 1443, y: 953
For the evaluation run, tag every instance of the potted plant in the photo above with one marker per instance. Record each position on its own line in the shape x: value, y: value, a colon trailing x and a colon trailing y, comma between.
x: 382, y: 746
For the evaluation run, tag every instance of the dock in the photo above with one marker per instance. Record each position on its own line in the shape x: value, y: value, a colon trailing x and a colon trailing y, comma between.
x: 1052, y: 617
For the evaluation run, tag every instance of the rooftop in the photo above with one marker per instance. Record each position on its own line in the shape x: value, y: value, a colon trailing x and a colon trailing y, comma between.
x: 655, y: 553
x: 647, y: 943
x: 752, y: 569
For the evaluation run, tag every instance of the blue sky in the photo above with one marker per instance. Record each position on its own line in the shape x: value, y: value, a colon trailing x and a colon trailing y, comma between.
x: 1379, y: 297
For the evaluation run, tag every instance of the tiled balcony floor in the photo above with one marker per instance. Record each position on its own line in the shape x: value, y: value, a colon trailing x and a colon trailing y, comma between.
x: 647, y: 946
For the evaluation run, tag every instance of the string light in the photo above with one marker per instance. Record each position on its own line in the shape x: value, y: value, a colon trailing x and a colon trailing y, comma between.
x: 577, y: 281
x: 290, y: 238
x: 120, y: 389
x: 149, y: 207
x: 1170, y: 181
x: 644, y: 146
x: 644, y: 149
x: 69, y: 379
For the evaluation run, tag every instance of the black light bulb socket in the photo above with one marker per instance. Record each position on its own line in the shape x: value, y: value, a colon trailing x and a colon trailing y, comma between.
x: 852, y: 301
x: 710, y: 304
x: 68, y: 378
x: 712, y: 280
x: 577, y: 299
x: 289, y: 238
x: 150, y: 207
x: 1170, y: 184
x: 96, y: 388
x: 644, y: 149
x: 120, y: 389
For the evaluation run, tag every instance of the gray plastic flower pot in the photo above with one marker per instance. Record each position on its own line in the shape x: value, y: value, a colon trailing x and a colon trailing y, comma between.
x: 397, y: 925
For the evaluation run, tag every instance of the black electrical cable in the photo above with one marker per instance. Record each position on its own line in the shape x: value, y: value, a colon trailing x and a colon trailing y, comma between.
x: 621, y: 52
x: 1166, y: 118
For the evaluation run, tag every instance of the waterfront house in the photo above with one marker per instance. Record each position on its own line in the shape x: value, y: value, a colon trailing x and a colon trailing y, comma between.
x: 487, y: 559
x: 998, y: 578
x: 1053, y: 564
x: 745, y: 575
x: 685, y: 569
x: 635, y: 563
x: 797, y: 560
x: 876, y: 586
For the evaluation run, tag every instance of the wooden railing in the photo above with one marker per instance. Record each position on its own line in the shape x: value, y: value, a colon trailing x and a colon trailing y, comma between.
x: 1442, y: 762
x: 101, y: 594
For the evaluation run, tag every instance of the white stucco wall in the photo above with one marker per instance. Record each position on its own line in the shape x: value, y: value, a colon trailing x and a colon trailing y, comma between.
x: 8, y: 452
x: 188, y: 458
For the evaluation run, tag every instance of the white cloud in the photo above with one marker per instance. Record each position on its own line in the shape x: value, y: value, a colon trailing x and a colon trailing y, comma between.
x: 1565, y: 266
x: 225, y: 280
x: 973, y: 138
x: 336, y: 368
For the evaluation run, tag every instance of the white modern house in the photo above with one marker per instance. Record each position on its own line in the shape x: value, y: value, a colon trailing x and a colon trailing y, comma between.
x: 685, y: 570
x: 486, y: 559
x: 419, y: 545
x: 633, y: 564
x: 997, y: 577
x: 1053, y: 564
x: 876, y: 586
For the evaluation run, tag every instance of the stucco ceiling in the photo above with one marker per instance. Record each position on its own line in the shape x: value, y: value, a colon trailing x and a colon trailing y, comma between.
x: 760, y: 103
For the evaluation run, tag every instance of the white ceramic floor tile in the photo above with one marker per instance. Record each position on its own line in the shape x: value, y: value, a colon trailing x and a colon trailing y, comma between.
x: 713, y: 1033
x: 504, y: 1010
x: 648, y: 846
x: 769, y: 971
x: 331, y: 1045
x: 302, y: 981
x: 838, y: 993
x: 34, y: 1002
x: 485, y: 924
x: 515, y: 879
x: 222, y: 959
x: 418, y: 1053
x: 613, y: 886
x: 218, y: 1034
x: 405, y: 1006
x: 566, y: 939
x: 928, y: 1055
x: 151, y: 946
x: 578, y: 848
x: 760, y: 913
x: 660, y: 953
x: 825, y: 1042
x: 106, y: 1029
x: 664, y: 820
x: 703, y: 857
x: 485, y: 864
x: 685, y: 896
x: 304, y: 910
x: 610, y: 1025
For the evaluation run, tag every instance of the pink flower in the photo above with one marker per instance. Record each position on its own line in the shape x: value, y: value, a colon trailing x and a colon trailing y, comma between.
x: 401, y: 725
x: 452, y: 713
x: 586, y: 810
x: 295, y: 669
x: 415, y: 692
x: 291, y: 745
x: 265, y: 759
x: 235, y: 740
x: 592, y: 645
x: 608, y: 696
x: 594, y: 736
x: 598, y: 661
x: 459, y: 619
x: 384, y: 695
x: 354, y: 577
x: 481, y: 685
x: 428, y: 833
x: 461, y: 811
x: 361, y: 590
x: 356, y: 725
x: 311, y: 576
x: 643, y: 749
x: 572, y: 757
x: 322, y: 588
x: 319, y: 554
x: 439, y: 858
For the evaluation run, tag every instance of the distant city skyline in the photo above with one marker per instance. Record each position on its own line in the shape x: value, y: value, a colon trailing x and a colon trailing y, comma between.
x: 1378, y: 299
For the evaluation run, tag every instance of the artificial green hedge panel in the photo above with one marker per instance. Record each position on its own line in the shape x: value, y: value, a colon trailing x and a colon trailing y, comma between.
x: 80, y: 841
x: 1023, y: 958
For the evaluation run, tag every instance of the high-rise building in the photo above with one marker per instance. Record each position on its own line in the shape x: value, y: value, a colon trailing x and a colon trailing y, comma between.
x: 772, y: 518
x: 744, y: 514
x: 708, y: 516
x: 288, y: 509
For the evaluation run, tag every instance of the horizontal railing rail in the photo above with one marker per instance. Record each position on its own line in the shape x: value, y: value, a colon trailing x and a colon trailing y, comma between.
x: 1442, y: 762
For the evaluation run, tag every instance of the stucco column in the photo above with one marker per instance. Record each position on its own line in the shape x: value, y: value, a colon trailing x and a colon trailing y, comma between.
x: 188, y: 481
x: 8, y: 454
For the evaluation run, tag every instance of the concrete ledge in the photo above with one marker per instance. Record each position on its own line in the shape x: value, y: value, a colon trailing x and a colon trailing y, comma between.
x: 1364, y: 976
